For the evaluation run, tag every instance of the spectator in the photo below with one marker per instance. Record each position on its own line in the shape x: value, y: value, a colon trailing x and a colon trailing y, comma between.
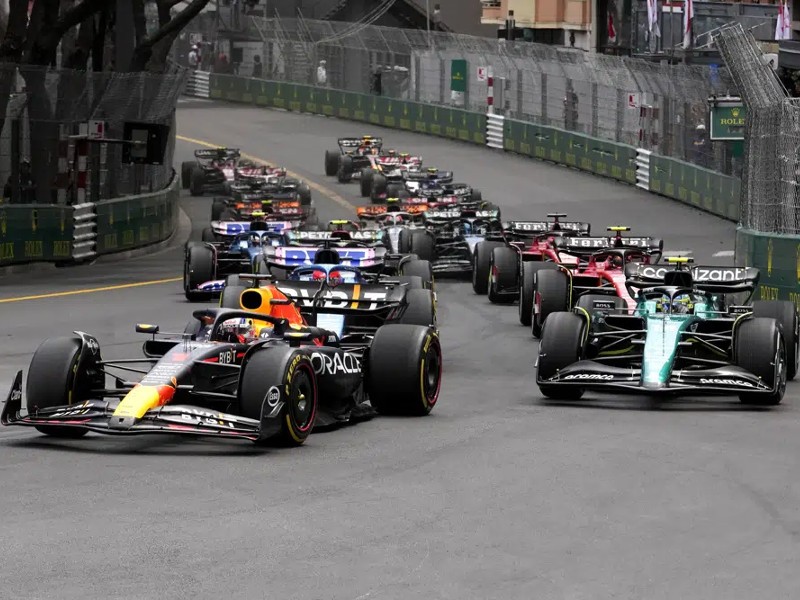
x: 700, y: 147
x: 376, y: 87
x: 194, y: 57
x: 27, y: 190
x: 322, y: 74
x: 257, y: 67
x: 222, y: 66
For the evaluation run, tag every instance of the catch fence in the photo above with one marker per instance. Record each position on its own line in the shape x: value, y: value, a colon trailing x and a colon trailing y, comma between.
x: 43, y: 110
x: 658, y: 107
x: 770, y: 201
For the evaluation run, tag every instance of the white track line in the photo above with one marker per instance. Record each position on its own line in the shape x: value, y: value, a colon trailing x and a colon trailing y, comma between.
x: 722, y: 253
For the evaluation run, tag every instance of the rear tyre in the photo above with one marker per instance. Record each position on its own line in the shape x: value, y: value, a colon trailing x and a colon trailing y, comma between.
x: 378, y: 186
x: 198, y: 268
x: 482, y: 266
x: 550, y: 295
x: 411, y: 282
x: 423, y: 245
x: 421, y: 309
x: 345, y: 171
x: 331, y: 162
x: 186, y: 173
x: 785, y: 313
x: 419, y: 268
x: 561, y: 345
x: 56, y: 379
x: 208, y: 235
x: 196, y: 181
x: 395, y: 190
x: 365, y: 181
x: 503, y: 272
x: 229, y: 215
x: 476, y: 196
x: 232, y: 291
x: 304, y: 192
x: 403, y: 370
x: 217, y: 206
x: 759, y: 348
x: 529, y: 270
x: 291, y: 373
x: 404, y: 241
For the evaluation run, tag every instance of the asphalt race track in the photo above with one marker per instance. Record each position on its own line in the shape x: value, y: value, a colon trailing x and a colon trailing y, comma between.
x: 495, y: 495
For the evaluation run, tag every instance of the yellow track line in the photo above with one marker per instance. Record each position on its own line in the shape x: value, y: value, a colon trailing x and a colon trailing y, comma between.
x: 328, y: 193
x: 108, y: 288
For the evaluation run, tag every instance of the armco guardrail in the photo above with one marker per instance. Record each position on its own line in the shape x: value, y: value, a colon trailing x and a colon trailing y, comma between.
x: 778, y: 257
x: 68, y: 234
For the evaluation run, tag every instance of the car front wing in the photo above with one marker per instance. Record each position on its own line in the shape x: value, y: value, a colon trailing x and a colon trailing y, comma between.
x: 98, y: 416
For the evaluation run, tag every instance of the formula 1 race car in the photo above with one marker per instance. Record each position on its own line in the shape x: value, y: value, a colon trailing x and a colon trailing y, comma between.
x: 367, y: 250
x: 390, y: 167
x: 205, y: 263
x: 448, y: 238
x: 354, y: 154
x: 211, y: 172
x: 243, y: 207
x: 245, y: 374
x: 683, y: 337
x: 498, y: 261
x: 344, y: 299
x: 432, y: 186
x: 600, y: 269
x: 396, y: 219
x: 275, y: 187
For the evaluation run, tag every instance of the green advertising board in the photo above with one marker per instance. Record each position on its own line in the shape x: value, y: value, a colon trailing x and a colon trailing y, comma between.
x: 727, y: 119
x: 778, y: 259
x: 33, y: 233
x: 458, y: 75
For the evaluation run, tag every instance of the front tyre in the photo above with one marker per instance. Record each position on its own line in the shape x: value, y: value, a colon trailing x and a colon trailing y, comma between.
x: 550, y: 295
x: 785, y: 313
x: 482, y: 266
x: 561, y: 345
x: 56, y: 379
x: 760, y: 349
x: 404, y: 370
x: 290, y: 372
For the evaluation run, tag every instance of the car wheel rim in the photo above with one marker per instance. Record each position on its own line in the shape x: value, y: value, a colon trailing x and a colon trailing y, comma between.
x: 432, y: 375
x: 301, y: 400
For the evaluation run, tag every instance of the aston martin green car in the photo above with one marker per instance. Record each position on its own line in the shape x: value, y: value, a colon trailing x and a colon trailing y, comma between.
x: 687, y: 335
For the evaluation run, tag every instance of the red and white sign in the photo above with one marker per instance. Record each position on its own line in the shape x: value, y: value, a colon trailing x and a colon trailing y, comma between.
x: 482, y: 73
x: 97, y: 129
x: 633, y: 101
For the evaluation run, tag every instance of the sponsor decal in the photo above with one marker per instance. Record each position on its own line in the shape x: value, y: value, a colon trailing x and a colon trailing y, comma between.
x: 16, y: 396
x: 528, y: 225
x: 587, y: 242
x: 444, y: 214
x: 206, y: 417
x: 486, y: 214
x: 303, y: 297
x: 227, y: 357
x: 336, y: 364
x: 93, y: 345
x: 719, y: 274
x: 69, y: 412
x: 273, y: 396
x: 604, y: 304
x: 737, y: 382
x: 588, y: 376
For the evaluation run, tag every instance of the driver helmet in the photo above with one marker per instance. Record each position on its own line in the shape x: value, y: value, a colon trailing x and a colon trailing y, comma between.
x: 237, y: 330
x: 432, y: 171
x: 254, y: 239
x: 391, y: 152
x: 404, y: 155
x: 682, y: 304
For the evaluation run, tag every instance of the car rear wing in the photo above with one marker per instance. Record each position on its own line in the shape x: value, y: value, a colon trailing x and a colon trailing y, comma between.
x: 319, y: 237
x: 720, y: 280
x: 350, y: 143
x: 591, y: 245
x: 345, y: 298
x: 377, y: 212
x: 533, y: 228
x: 457, y: 214
x: 441, y: 176
x: 217, y: 153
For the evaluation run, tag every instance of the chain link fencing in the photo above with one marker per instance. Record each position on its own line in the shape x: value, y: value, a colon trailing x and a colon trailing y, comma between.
x: 656, y: 106
x: 770, y: 199
x: 44, y: 107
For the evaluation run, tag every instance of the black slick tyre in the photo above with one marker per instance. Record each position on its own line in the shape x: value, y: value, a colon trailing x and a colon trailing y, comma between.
x: 365, y: 181
x: 304, y: 194
x: 186, y: 173
x: 476, y: 196
x: 217, y: 206
x: 404, y: 241
x: 423, y: 245
x: 411, y: 282
x: 378, y: 186
x: 759, y: 348
x: 560, y: 346
x: 421, y: 309
x: 527, y: 277
x: 404, y: 370
x: 56, y: 379
x: 196, y: 181
x: 785, y: 313
x: 208, y: 235
x: 331, y: 162
x: 550, y: 294
x: 232, y: 291
x: 503, y: 271
x: 395, y: 190
x: 345, y: 171
x: 419, y: 268
x: 198, y: 268
x: 291, y: 373
x: 482, y: 266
